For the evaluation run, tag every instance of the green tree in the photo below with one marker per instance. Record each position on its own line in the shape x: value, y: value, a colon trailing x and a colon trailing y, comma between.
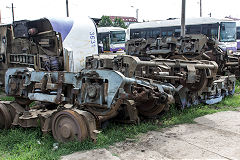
x: 118, y: 22
x: 105, y: 22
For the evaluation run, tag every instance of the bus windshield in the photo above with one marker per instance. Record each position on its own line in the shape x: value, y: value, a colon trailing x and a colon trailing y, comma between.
x: 227, y: 32
x: 238, y: 32
x: 118, y: 37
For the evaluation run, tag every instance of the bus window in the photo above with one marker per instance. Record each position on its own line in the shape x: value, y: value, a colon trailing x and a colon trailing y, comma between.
x: 177, y: 32
x: 170, y: 33
x: 148, y: 34
x: 194, y: 29
x: 118, y: 37
x: 156, y: 33
x: 143, y: 34
x: 214, y: 33
x: 227, y: 32
x: 105, y: 41
x: 99, y: 37
x: 164, y: 34
x: 136, y: 35
x: 131, y: 35
x: 209, y: 30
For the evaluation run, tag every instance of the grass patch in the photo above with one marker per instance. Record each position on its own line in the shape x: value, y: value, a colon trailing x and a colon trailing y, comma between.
x: 6, y: 98
x: 21, y: 144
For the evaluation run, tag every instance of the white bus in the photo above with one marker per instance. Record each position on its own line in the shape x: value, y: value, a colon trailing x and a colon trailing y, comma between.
x: 111, y: 39
x: 238, y: 35
x: 222, y: 30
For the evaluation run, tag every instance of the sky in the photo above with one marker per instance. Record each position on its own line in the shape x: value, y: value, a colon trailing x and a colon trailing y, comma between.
x: 148, y: 9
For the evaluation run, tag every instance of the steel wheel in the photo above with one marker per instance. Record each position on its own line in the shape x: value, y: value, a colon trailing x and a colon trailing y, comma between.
x: 68, y: 125
x: 5, y: 117
x: 198, y: 86
x: 150, y: 109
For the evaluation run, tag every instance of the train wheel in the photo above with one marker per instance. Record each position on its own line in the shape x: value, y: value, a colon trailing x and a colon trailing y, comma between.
x: 5, y: 117
x: 68, y: 125
x: 150, y: 109
x: 200, y: 85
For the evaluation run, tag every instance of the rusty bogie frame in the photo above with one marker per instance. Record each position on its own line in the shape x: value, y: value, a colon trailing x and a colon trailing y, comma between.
x: 194, y: 81
x: 74, y: 105
x: 191, y: 47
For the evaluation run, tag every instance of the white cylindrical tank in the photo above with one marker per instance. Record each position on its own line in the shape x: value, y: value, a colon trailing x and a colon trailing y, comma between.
x: 79, y: 36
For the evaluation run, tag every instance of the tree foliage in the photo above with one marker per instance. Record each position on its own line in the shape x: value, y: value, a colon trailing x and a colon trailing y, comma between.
x: 118, y: 22
x: 105, y: 22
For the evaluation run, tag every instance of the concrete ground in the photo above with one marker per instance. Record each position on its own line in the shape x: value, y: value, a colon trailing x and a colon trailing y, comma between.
x: 215, y: 136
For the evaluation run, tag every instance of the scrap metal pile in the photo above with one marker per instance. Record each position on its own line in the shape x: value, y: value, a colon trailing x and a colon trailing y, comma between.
x: 75, y: 104
x: 198, y: 70
x: 141, y: 84
x: 31, y: 43
x: 191, y: 47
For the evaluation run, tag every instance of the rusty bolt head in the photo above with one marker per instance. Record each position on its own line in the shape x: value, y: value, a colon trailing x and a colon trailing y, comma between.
x: 92, y: 91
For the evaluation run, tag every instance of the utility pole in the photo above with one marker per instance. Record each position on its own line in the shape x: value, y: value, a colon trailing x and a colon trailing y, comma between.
x: 183, y: 18
x: 12, y: 11
x: 200, y: 8
x: 67, y: 8
x: 137, y: 14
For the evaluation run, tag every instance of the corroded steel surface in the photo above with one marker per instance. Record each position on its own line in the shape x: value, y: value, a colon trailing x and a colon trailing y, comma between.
x: 5, y: 117
x: 68, y: 125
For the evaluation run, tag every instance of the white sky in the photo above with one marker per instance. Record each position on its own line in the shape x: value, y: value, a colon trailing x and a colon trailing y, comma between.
x: 148, y: 9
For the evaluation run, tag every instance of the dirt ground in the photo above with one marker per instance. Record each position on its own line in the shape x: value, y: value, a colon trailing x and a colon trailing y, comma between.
x: 215, y: 136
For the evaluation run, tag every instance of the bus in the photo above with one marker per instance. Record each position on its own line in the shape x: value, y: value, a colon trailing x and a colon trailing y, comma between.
x: 222, y: 30
x: 111, y: 39
x: 238, y: 35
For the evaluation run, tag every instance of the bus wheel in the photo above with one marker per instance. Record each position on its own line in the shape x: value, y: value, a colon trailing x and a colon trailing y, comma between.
x: 67, y: 125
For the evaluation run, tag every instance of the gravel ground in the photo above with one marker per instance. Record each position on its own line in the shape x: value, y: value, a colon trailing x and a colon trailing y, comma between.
x: 215, y: 136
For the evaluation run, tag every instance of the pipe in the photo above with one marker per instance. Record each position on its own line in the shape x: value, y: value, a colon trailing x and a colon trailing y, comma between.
x: 181, y: 64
